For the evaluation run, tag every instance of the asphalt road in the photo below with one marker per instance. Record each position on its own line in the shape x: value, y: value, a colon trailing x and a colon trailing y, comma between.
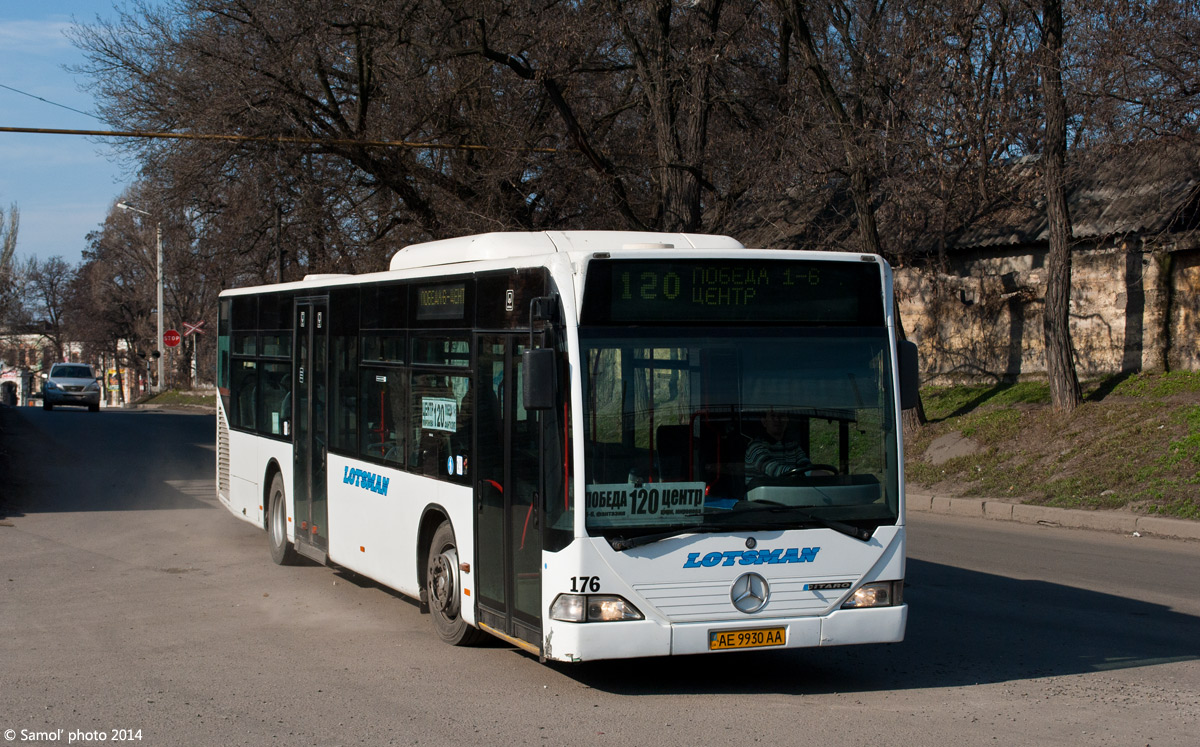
x: 132, y: 601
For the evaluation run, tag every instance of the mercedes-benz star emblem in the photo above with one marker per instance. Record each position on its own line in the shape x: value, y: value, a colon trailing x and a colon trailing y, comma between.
x: 749, y: 592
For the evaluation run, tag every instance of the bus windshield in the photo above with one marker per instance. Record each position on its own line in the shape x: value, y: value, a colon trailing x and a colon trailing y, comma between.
x: 691, y: 428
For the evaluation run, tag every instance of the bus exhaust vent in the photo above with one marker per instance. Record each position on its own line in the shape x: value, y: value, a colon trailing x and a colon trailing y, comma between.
x: 222, y: 454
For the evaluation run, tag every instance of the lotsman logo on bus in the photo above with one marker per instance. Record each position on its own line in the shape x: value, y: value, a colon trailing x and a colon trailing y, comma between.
x: 752, y: 557
x: 366, y: 480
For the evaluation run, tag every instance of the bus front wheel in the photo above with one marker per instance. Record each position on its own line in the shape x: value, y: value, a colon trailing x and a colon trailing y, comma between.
x: 282, y: 551
x: 443, y: 593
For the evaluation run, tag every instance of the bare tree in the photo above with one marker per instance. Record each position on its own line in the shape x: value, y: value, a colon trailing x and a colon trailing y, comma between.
x: 668, y: 70
x: 1140, y: 71
x: 544, y: 116
x: 48, y: 283
x: 858, y: 122
x: 849, y: 117
x: 352, y: 77
x: 114, y: 299
x: 10, y: 297
x: 881, y: 126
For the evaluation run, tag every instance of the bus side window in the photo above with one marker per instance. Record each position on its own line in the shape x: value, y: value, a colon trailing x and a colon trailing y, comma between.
x: 276, y: 390
x: 245, y: 394
x: 382, y: 414
x: 441, y: 422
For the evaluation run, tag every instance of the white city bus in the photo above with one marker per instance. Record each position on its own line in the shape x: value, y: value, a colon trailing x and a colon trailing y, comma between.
x: 543, y: 437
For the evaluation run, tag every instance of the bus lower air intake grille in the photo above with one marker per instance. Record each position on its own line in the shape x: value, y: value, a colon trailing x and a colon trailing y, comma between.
x: 703, y: 601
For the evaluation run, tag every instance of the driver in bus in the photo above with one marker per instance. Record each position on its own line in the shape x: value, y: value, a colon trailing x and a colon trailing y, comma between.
x: 775, y: 451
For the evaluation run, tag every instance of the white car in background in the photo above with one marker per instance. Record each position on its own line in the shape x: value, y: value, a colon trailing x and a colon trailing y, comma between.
x: 71, y: 384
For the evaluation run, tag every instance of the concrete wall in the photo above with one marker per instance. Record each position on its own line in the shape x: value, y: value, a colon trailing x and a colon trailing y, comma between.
x: 1134, y: 306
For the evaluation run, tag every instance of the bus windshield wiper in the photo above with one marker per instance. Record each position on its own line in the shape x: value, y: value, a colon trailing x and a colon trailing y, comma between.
x: 842, y: 527
x: 621, y: 543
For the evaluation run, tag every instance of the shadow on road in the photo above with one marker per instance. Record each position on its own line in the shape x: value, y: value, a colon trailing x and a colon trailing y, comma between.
x: 114, y: 460
x: 964, y: 628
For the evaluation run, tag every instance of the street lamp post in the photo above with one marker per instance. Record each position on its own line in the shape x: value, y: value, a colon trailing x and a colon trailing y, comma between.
x: 159, y: 264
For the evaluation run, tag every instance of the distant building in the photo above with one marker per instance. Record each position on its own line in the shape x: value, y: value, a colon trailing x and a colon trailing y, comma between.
x: 976, y: 310
x: 25, y: 357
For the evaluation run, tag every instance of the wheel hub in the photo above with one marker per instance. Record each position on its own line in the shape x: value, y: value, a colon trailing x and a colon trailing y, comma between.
x: 443, y: 583
x: 278, y: 522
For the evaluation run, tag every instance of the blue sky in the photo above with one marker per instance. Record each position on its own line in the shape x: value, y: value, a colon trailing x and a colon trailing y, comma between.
x: 63, y: 185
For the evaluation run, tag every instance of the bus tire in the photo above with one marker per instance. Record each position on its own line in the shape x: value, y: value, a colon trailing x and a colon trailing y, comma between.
x: 443, y: 592
x: 282, y: 551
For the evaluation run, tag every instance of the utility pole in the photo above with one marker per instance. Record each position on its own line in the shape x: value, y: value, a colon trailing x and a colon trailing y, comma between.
x: 159, y: 346
x: 161, y: 352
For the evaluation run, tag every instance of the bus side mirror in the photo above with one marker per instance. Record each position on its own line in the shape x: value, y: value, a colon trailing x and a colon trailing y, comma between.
x: 910, y: 375
x: 539, y: 389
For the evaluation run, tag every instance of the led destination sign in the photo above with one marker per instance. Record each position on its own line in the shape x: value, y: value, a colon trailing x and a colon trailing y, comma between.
x: 441, y: 302
x: 730, y: 290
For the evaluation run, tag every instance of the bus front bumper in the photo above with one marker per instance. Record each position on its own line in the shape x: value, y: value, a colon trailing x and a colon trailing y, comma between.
x: 590, y: 641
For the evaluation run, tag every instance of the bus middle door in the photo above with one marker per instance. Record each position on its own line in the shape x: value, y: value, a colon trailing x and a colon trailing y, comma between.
x: 310, y: 440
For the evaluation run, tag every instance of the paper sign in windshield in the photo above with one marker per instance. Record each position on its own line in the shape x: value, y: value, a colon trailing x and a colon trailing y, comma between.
x: 438, y: 414
x: 625, y: 503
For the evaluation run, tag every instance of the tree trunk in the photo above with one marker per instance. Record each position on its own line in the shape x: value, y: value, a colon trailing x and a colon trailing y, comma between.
x: 1060, y: 363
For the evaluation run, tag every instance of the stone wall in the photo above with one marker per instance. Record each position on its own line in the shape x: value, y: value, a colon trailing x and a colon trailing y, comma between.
x: 1134, y: 306
x: 1185, y: 317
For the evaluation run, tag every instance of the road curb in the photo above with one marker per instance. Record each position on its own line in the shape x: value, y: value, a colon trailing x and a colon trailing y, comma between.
x: 1103, y: 521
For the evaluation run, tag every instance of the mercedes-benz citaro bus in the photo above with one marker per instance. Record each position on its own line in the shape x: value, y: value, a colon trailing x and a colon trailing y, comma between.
x: 553, y: 438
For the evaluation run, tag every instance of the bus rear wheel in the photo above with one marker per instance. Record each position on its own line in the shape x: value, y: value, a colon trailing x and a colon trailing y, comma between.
x: 282, y: 551
x: 443, y: 593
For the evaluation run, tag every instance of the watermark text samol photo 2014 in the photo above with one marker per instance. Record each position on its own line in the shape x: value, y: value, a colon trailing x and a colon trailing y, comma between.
x: 72, y: 736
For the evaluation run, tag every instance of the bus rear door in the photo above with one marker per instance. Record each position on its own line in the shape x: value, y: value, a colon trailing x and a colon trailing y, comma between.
x: 310, y: 440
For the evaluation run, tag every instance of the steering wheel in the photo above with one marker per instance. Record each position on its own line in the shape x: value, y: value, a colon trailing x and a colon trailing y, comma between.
x: 795, y: 472
x: 791, y: 476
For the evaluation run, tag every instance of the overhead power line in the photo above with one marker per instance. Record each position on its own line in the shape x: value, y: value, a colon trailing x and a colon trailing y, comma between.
x: 283, y: 139
x: 48, y: 101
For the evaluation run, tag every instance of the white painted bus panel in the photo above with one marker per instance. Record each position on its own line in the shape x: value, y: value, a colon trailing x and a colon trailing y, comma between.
x: 375, y: 514
x: 245, y: 476
x: 280, y: 452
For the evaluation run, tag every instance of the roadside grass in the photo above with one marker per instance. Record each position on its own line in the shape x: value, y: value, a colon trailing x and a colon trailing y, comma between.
x: 1133, y: 444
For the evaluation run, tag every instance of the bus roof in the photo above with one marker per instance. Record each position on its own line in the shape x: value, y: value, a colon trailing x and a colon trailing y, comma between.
x: 502, y: 245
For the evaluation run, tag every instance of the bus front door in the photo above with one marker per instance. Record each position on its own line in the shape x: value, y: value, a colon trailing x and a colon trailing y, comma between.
x: 508, y: 531
x: 309, y: 434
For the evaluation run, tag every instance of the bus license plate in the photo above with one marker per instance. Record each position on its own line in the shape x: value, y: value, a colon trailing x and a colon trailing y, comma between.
x: 725, y: 639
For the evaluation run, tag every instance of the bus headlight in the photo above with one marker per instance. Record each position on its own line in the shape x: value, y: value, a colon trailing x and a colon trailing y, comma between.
x: 884, y: 594
x: 593, y: 608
